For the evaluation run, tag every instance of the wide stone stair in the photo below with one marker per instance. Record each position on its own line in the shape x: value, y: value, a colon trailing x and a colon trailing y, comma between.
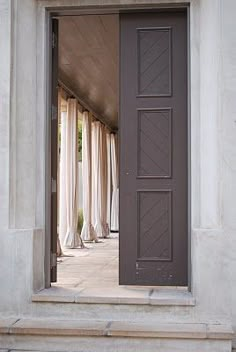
x: 60, y: 335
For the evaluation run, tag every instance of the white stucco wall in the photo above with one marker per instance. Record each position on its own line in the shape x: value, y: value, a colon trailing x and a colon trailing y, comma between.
x: 213, y: 154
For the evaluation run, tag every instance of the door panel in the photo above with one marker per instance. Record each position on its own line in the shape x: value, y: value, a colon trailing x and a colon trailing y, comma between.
x: 154, y: 61
x: 154, y: 143
x: 153, y: 149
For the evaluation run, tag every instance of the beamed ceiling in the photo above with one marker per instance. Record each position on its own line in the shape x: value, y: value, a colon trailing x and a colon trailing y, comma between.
x: 88, y: 62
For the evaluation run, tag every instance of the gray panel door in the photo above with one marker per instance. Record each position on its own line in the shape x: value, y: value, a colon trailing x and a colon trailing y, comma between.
x: 153, y: 149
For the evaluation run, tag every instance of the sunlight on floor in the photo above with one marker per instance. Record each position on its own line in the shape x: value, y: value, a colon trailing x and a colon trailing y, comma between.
x: 90, y: 267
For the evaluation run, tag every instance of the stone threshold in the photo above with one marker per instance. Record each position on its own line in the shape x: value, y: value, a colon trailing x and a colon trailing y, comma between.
x: 83, y: 328
x: 117, y: 295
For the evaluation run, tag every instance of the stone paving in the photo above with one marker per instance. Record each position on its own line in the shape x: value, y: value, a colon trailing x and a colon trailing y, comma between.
x: 91, y: 275
x: 90, y: 267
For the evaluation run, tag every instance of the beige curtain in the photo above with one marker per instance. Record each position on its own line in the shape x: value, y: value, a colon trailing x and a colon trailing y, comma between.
x: 87, y: 233
x: 99, y: 179
x: 62, y: 189
x: 115, y: 184
x: 96, y: 170
x: 104, y: 180
x: 72, y: 238
x: 108, y: 151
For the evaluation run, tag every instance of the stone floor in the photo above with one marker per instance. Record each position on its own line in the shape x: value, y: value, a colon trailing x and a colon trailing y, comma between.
x: 91, y: 266
x: 90, y: 275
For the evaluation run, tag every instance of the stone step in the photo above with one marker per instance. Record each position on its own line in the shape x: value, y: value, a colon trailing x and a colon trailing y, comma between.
x: 119, y: 303
x: 117, y: 295
x: 104, y: 335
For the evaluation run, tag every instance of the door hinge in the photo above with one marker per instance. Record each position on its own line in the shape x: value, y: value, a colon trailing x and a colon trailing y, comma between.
x: 53, y: 260
x: 53, y: 185
x: 54, y: 40
x: 54, y: 112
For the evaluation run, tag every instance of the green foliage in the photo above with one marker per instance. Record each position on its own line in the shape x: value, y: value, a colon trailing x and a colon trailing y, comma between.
x: 80, y: 221
x: 79, y: 133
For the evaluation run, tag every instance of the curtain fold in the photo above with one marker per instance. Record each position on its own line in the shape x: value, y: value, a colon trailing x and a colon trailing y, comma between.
x: 108, y: 152
x: 115, y: 184
x: 72, y: 238
x: 104, y: 180
x: 88, y: 233
x: 96, y: 218
x: 62, y: 189
x: 99, y: 179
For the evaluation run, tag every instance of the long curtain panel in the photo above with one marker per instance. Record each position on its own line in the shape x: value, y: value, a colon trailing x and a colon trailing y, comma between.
x: 115, y: 184
x: 104, y: 180
x: 62, y: 188
x: 99, y: 195
x: 108, y: 152
x: 87, y: 233
x: 72, y: 238
x: 96, y: 220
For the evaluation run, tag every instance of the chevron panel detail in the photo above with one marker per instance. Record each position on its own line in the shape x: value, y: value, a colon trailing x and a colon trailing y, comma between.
x: 154, y: 230
x: 154, y: 143
x: 154, y: 61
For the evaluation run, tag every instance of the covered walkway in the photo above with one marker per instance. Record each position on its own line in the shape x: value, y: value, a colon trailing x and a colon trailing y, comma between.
x: 96, y: 266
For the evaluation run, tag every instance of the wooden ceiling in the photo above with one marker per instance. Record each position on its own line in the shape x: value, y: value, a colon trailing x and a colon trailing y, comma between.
x: 88, y: 62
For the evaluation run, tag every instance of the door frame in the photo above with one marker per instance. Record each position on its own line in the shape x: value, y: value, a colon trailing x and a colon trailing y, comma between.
x: 58, y: 12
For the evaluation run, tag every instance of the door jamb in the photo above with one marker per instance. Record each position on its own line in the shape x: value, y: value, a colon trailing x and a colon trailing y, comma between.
x: 51, y: 13
x: 48, y: 77
x: 189, y: 204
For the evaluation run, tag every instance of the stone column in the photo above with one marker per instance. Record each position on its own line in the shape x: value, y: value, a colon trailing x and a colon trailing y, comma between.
x: 210, y: 107
x: 23, y: 115
x: 5, y: 68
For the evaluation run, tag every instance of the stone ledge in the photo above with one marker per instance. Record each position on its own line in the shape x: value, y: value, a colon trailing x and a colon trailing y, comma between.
x: 119, y: 295
x: 5, y: 324
x: 85, y: 328
x: 183, y: 331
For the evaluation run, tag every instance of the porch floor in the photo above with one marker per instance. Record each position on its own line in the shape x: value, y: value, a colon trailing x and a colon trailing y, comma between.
x: 90, y: 275
x: 91, y: 267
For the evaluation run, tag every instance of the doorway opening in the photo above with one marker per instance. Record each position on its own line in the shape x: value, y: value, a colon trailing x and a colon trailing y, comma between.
x: 119, y: 139
x: 88, y: 185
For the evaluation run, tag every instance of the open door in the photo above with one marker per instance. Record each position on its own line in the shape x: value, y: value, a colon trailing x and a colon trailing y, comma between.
x: 153, y: 149
x: 54, y: 150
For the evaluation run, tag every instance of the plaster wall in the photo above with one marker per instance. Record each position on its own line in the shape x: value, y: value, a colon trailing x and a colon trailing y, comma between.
x: 23, y: 131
